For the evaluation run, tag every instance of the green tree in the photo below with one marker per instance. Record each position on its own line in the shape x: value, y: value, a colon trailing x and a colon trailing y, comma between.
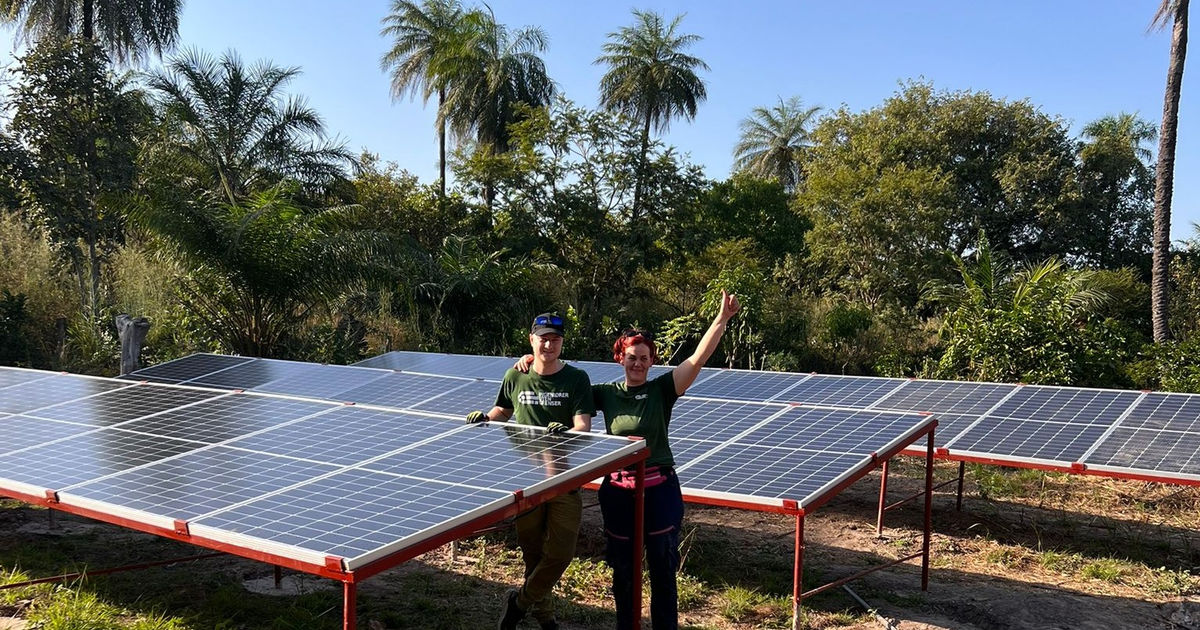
x: 79, y: 126
x: 260, y: 268
x: 1041, y: 323
x: 1116, y: 188
x: 124, y: 29
x: 493, y: 77
x: 890, y: 187
x: 421, y: 34
x: 1175, y: 13
x: 774, y: 141
x: 651, y: 79
x: 228, y: 130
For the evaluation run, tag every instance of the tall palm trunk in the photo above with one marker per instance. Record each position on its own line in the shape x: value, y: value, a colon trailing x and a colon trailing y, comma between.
x: 442, y: 145
x: 1164, y: 186
x: 641, y: 171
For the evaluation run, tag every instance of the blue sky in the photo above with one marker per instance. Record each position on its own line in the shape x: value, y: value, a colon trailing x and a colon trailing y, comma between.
x: 1078, y: 59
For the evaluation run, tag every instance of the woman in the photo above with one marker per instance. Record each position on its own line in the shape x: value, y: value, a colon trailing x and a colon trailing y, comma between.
x: 643, y: 408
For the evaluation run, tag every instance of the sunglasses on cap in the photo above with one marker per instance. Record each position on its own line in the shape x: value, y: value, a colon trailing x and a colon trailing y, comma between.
x: 548, y: 320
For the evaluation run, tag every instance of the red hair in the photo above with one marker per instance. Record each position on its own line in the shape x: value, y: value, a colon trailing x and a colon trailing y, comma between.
x: 632, y: 338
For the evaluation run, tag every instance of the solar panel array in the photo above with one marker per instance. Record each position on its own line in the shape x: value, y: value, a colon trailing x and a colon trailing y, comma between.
x: 301, y: 478
x: 1154, y: 435
x: 722, y: 442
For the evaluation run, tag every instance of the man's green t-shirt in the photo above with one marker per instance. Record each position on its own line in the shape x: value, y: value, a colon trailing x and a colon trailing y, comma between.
x: 540, y: 400
x: 644, y: 410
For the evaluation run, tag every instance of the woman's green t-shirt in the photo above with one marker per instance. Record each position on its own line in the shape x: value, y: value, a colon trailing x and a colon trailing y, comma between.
x: 644, y: 411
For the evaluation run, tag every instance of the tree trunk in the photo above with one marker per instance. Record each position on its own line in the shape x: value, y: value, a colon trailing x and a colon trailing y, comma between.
x: 442, y: 145
x: 132, y: 333
x: 641, y: 171
x: 89, y: 14
x: 1164, y: 186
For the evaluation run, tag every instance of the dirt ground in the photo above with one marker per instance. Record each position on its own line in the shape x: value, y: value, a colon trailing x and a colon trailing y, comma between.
x: 1002, y: 562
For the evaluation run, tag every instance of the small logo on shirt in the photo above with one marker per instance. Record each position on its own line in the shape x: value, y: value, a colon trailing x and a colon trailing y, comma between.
x: 641, y: 396
x: 543, y: 399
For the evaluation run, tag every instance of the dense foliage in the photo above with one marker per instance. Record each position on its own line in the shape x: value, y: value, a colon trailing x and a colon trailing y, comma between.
x: 942, y: 233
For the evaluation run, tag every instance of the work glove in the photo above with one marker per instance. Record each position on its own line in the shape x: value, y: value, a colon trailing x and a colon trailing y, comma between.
x: 477, y: 416
x: 555, y: 428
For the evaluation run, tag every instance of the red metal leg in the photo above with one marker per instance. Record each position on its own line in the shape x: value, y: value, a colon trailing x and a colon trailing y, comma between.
x: 348, y: 603
x: 882, y: 499
x: 278, y: 576
x: 639, y: 523
x: 928, y: 513
x: 962, y: 468
x: 798, y: 572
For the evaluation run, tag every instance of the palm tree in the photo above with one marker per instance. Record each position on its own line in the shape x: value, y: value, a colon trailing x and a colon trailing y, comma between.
x: 124, y: 29
x: 491, y: 76
x: 774, y: 141
x: 229, y: 130
x: 420, y: 34
x: 651, y: 79
x: 1174, y: 12
x: 1117, y: 184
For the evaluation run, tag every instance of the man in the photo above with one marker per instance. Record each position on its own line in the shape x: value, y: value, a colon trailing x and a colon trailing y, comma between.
x: 556, y: 396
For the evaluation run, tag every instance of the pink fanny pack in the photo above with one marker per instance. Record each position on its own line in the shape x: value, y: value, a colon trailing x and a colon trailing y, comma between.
x: 627, y: 479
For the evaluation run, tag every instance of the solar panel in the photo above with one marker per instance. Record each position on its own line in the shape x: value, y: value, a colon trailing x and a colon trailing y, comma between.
x: 187, y: 368
x: 1175, y: 412
x: 40, y: 393
x: 473, y: 396
x: 14, y: 376
x: 859, y: 392
x: 743, y: 385
x: 198, y: 482
x: 22, y: 432
x: 772, y: 472
x: 346, y: 435
x: 836, y: 430
x: 504, y: 455
x: 462, y: 365
x: 122, y: 405
x: 1030, y: 439
x: 224, y: 418
x: 939, y: 397
x: 399, y: 389
x: 1062, y: 404
x: 86, y: 456
x: 715, y: 420
x: 252, y: 374
x: 323, y: 381
x: 1150, y: 449
x: 599, y: 372
x: 355, y: 514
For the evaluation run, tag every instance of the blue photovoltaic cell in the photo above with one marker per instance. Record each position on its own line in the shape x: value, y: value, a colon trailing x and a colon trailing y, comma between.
x: 742, y: 385
x: 396, y: 360
x: 403, y: 390
x: 771, y: 472
x: 1176, y: 412
x: 462, y: 365
x: 353, y: 512
x: 87, y: 456
x: 836, y: 430
x: 12, y: 376
x: 503, y: 456
x: 949, y: 425
x: 22, y: 432
x: 1066, y: 404
x: 329, y: 382
x: 187, y: 368
x: 858, y: 392
x: 122, y: 405
x: 228, y: 417
x: 56, y: 389
x: 716, y: 420
x: 1057, y: 441
x: 473, y: 396
x: 347, y: 435
x: 251, y: 374
x: 939, y: 397
x: 200, y: 482
x: 1150, y: 449
x: 684, y: 450
x: 599, y: 372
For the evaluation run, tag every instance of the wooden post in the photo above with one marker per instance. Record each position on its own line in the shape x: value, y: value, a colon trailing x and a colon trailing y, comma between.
x: 132, y: 332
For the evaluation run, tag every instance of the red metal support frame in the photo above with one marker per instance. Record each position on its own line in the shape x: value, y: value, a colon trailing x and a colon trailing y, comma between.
x: 349, y: 597
x: 639, y: 527
x: 798, y: 570
x: 883, y: 480
x: 928, y: 513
